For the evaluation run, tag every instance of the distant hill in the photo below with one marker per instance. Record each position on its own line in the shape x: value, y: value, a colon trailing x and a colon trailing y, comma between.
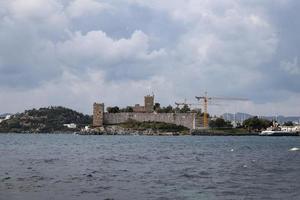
x: 44, y: 120
x: 282, y: 119
x: 243, y: 116
x: 236, y: 117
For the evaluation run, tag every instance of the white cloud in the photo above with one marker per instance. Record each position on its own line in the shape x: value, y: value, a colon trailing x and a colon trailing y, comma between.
x: 35, y: 9
x: 96, y: 49
x: 76, y: 47
x: 292, y: 67
x: 224, y: 32
x: 79, y: 92
x: 232, y: 39
x: 284, y: 107
x: 79, y: 8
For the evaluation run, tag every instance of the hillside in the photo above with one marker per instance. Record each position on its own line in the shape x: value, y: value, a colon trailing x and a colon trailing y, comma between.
x: 157, y: 126
x: 243, y: 116
x: 44, y: 120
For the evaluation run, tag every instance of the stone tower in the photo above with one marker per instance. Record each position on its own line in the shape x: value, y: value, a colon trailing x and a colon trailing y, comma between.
x: 98, y: 114
x: 149, y: 103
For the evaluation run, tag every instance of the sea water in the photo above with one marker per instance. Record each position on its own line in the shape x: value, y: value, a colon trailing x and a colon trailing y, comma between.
x: 63, y: 167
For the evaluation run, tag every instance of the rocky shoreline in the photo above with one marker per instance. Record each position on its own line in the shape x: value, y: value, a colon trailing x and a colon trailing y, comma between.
x: 117, y: 130
x: 121, y: 131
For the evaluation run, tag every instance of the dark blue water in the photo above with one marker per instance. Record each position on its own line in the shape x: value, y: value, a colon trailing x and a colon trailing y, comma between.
x: 111, y: 167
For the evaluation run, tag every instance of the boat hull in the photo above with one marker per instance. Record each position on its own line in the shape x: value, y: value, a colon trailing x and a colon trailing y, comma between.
x: 279, y: 133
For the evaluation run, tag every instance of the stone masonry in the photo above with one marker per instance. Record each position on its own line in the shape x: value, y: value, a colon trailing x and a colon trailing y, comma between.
x: 98, y: 114
x: 184, y: 119
x: 100, y: 118
x: 143, y: 114
x: 149, y: 103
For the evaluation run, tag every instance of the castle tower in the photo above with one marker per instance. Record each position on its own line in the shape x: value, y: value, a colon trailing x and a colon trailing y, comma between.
x: 149, y: 103
x: 98, y: 114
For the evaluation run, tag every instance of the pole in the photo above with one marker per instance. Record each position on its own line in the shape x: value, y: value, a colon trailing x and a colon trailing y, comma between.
x: 205, y: 120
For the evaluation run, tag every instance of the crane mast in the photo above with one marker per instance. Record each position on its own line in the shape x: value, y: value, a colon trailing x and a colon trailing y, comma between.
x: 205, y: 117
x: 206, y: 100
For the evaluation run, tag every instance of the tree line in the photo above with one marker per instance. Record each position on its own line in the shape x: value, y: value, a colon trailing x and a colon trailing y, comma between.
x: 251, y: 124
x: 157, y: 108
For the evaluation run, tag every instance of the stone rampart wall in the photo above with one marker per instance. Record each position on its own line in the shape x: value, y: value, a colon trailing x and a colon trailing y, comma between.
x: 184, y: 119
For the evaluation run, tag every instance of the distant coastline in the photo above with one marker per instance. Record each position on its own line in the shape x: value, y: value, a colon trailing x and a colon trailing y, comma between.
x: 61, y: 120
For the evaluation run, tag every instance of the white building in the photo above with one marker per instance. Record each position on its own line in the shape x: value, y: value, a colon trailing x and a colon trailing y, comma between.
x: 72, y: 125
x: 7, y: 117
x: 295, y: 128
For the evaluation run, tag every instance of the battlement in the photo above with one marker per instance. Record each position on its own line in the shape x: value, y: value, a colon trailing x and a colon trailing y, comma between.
x: 143, y: 114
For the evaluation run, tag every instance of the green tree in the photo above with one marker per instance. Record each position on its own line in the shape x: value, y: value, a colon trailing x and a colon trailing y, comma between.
x: 289, y: 123
x: 255, y: 123
x: 185, y: 109
x: 168, y: 109
x: 45, y: 120
x: 177, y: 110
x: 127, y: 109
x: 220, y: 123
x: 156, y: 107
x: 114, y: 109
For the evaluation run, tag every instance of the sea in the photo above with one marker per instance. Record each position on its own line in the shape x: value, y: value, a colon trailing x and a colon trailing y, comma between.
x: 74, y: 167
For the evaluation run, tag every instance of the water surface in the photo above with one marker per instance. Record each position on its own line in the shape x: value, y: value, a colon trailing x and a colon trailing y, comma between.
x: 63, y: 167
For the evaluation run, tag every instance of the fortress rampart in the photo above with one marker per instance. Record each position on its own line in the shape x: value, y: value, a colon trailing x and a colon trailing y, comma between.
x: 183, y: 119
x: 145, y: 114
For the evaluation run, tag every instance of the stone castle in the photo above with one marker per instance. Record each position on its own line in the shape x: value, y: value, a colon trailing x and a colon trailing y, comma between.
x: 144, y: 113
x: 148, y: 105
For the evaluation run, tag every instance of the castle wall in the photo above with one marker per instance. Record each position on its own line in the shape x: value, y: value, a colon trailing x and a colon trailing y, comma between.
x: 184, y: 119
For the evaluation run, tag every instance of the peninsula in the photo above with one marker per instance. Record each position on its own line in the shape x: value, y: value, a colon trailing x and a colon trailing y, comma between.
x: 147, y: 119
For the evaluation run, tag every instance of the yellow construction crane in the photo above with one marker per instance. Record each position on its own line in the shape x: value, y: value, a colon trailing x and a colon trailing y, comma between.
x: 206, y: 100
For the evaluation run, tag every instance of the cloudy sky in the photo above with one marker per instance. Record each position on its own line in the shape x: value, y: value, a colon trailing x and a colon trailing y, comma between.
x: 75, y: 52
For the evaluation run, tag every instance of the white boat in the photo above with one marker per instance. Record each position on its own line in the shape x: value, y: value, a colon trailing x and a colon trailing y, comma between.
x: 278, y: 133
x: 277, y: 130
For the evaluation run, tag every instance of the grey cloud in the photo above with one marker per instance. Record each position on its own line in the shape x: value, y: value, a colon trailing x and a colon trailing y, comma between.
x: 123, y: 19
x: 175, y: 48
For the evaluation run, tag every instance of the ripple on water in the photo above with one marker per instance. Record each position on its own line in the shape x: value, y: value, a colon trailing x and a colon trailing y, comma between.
x: 149, y: 167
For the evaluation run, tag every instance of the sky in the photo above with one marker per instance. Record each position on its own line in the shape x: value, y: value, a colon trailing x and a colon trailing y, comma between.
x: 75, y: 52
